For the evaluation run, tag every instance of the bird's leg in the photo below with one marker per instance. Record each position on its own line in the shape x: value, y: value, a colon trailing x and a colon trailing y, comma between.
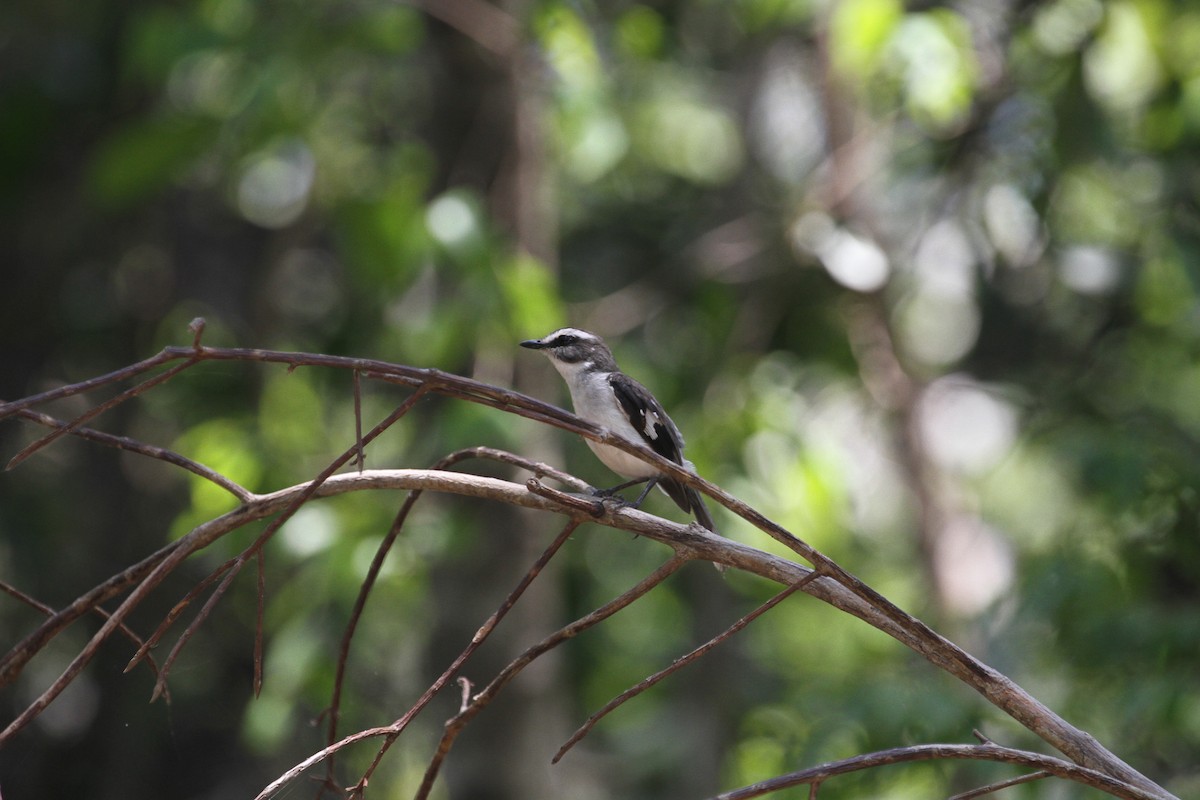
x: 650, y: 484
x: 613, y: 490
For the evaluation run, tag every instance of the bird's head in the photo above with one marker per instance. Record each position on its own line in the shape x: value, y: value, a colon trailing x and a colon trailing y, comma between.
x: 570, y: 349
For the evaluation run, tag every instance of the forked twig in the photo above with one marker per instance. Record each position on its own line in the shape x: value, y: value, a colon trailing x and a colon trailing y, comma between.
x: 140, y: 448
x: 381, y: 552
x: 96, y: 411
x: 679, y: 664
x: 455, y: 725
x: 310, y: 489
x: 930, y: 752
x: 160, y: 684
x: 393, y: 731
x: 116, y: 376
x: 123, y: 629
x: 992, y: 788
x: 836, y: 584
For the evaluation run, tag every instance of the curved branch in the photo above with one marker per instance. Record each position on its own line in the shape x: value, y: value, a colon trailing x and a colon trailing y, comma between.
x: 836, y: 585
x: 140, y: 448
x: 455, y: 725
x: 929, y: 752
x: 488, y: 453
x: 677, y: 665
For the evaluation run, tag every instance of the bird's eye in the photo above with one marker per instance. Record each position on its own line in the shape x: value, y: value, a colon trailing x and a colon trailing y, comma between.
x: 565, y: 340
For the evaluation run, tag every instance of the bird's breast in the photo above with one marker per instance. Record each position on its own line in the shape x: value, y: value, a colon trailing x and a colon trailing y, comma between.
x: 622, y: 463
x: 594, y: 401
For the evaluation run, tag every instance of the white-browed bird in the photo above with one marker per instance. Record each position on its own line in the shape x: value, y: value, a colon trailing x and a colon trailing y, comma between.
x: 604, y: 395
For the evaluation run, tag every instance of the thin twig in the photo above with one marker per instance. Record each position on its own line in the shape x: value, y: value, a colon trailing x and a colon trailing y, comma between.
x: 992, y: 788
x: 96, y: 411
x: 176, y: 611
x: 360, y: 457
x: 335, y: 702
x: 260, y: 612
x: 678, y: 664
x: 586, y: 505
x: 476, y: 641
x: 381, y: 552
x: 392, y: 731
x: 124, y: 629
x: 141, y: 448
x: 15, y: 659
x: 70, y: 390
x: 286, y: 514
x: 455, y: 725
x: 930, y: 752
x: 206, y: 610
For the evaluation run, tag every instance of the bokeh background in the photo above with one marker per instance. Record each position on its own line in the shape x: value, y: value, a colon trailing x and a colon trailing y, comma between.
x: 917, y: 280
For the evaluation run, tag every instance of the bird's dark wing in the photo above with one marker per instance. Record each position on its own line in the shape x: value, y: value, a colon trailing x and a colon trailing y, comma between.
x: 649, y: 419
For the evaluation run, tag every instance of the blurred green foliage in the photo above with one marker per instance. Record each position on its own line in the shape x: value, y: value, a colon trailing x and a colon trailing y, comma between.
x: 918, y: 281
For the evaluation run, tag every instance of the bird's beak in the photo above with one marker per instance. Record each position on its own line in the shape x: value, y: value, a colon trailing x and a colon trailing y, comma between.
x: 534, y: 344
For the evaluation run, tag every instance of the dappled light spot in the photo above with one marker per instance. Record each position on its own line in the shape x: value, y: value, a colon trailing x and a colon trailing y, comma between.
x: 451, y: 220
x: 1089, y: 270
x: 964, y: 426
x: 1012, y: 224
x: 274, y: 187
x: 975, y: 565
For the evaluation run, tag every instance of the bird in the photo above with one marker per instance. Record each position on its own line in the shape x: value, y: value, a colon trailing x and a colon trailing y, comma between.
x: 604, y: 395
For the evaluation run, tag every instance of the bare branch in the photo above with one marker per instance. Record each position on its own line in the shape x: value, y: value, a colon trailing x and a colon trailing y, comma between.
x: 124, y: 629
x: 391, y: 732
x: 309, y: 490
x: 992, y: 788
x: 96, y: 411
x: 455, y: 725
x: 140, y: 448
x: 385, y: 547
x: 116, y: 376
x: 678, y: 664
x: 929, y: 752
x: 835, y: 585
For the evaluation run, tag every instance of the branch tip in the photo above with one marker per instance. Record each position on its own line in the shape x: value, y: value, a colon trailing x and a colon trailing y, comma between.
x: 196, y: 326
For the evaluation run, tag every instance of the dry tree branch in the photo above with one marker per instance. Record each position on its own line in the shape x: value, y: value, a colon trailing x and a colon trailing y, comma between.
x: 46, y: 610
x: 537, y: 468
x: 455, y: 724
x: 116, y: 376
x: 836, y: 585
x: 678, y: 664
x: 476, y: 641
x: 929, y: 752
x: 992, y: 788
x: 15, y: 659
x: 393, y: 731
x: 309, y: 490
x: 334, y: 710
x: 96, y: 411
x: 142, y: 449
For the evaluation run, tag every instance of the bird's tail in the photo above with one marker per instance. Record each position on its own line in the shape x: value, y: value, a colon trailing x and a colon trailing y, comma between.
x: 703, y: 516
x: 698, y: 507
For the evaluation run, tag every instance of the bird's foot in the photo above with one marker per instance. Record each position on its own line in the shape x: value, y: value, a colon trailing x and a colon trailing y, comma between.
x: 612, y: 490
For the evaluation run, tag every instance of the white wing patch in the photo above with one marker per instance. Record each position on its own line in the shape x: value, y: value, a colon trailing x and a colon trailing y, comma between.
x: 652, y: 420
